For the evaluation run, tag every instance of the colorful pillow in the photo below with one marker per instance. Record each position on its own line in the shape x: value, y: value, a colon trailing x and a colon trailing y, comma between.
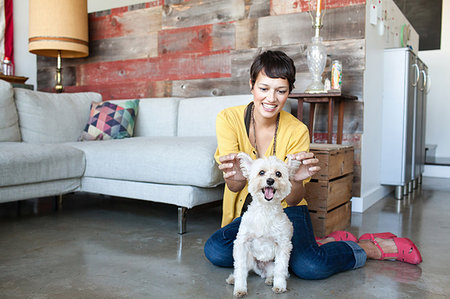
x: 108, y: 120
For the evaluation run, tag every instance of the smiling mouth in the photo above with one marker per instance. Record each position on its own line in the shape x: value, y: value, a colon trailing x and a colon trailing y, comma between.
x: 269, y: 106
x: 268, y: 193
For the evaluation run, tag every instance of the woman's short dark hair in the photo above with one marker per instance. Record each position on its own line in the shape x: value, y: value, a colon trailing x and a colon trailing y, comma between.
x: 274, y: 64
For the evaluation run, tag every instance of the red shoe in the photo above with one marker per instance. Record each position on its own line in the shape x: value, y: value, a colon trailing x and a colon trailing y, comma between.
x: 339, y: 235
x: 342, y: 235
x: 407, y: 251
x: 372, y: 237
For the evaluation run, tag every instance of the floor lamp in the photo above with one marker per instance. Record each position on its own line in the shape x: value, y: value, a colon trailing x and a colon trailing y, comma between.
x: 58, y: 28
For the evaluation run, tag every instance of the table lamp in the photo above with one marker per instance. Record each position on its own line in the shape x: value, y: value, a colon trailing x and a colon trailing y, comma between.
x: 58, y: 28
x: 316, y: 53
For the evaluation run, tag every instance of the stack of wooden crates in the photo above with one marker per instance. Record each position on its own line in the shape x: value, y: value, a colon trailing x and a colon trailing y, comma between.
x: 329, y: 192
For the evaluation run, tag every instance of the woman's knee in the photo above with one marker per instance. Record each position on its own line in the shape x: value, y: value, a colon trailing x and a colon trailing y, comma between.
x: 307, y: 269
x: 217, y: 253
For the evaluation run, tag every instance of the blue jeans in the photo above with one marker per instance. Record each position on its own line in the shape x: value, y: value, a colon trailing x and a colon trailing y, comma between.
x: 308, y: 260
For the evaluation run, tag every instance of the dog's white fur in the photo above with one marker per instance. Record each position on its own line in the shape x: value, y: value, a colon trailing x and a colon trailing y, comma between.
x: 263, y: 243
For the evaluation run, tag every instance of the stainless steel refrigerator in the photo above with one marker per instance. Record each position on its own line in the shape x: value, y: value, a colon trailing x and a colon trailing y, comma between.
x: 404, y: 119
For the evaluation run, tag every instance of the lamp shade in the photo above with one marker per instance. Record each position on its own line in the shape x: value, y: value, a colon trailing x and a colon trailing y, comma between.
x: 58, y: 25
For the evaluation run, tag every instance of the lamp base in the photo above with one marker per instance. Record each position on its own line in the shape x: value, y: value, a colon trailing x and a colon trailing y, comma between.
x: 316, y: 87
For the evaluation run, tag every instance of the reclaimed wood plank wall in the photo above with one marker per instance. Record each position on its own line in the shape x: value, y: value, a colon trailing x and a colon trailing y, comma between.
x: 195, y: 48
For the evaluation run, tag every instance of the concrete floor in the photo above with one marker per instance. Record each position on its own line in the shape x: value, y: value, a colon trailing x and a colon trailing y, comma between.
x: 101, y: 247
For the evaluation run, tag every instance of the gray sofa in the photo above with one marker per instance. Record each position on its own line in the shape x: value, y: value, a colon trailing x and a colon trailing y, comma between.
x: 169, y: 159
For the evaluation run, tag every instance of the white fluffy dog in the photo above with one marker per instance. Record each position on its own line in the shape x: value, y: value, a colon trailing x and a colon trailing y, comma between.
x: 263, y: 243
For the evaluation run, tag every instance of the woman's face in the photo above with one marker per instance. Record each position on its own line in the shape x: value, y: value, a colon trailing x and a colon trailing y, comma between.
x: 269, y: 95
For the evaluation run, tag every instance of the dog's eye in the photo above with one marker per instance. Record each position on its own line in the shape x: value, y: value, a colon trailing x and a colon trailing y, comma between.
x: 278, y: 174
x: 262, y: 172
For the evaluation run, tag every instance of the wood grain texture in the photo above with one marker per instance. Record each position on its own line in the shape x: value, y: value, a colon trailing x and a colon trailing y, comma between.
x: 198, y: 12
x: 211, y: 87
x: 129, y: 23
x: 324, y: 196
x: 340, y: 23
x: 246, y: 34
x: 281, y: 7
x: 324, y: 223
x: 167, y: 67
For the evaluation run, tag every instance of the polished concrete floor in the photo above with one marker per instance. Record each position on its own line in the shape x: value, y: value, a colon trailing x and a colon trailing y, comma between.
x: 101, y: 247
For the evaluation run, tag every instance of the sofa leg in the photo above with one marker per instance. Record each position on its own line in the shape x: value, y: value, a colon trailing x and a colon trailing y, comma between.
x: 57, y: 202
x: 181, y: 220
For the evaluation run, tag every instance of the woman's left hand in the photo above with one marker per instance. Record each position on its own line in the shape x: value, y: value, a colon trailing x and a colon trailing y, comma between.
x: 308, y: 165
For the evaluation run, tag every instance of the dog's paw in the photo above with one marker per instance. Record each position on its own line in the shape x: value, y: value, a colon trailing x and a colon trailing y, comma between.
x: 230, y: 279
x: 278, y: 290
x: 240, y: 293
x: 269, y: 281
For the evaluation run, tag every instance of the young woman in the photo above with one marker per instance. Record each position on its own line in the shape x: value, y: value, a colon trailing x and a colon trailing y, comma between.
x: 260, y: 129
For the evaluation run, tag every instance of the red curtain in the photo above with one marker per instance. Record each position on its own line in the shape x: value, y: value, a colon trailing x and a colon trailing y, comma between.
x: 9, y: 29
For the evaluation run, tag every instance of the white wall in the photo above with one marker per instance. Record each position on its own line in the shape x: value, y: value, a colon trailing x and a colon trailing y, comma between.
x: 97, y: 5
x: 25, y: 62
x: 438, y: 108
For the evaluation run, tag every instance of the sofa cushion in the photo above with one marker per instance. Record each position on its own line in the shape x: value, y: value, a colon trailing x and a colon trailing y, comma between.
x: 111, y: 121
x: 165, y: 160
x: 24, y: 163
x: 53, y: 118
x: 9, y: 120
x: 157, y: 117
x: 197, y: 116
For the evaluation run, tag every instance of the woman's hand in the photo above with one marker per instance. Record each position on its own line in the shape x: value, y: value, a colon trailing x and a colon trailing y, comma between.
x: 232, y: 173
x: 308, y: 165
x: 231, y: 168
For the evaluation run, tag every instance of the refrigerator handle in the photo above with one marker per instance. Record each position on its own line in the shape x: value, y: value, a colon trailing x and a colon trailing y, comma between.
x: 416, y: 74
x: 427, y: 90
x: 424, y: 86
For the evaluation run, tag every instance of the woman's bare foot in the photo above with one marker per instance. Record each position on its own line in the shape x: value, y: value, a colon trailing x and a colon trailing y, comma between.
x: 373, y: 252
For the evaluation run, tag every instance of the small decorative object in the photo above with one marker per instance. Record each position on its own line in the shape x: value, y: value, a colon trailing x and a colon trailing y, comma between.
x: 336, y: 75
x: 316, y: 54
x: 7, y: 67
x: 327, y: 85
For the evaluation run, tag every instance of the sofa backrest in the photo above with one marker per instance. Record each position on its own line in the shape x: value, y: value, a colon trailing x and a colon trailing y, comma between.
x: 9, y: 119
x: 53, y: 118
x: 197, y: 116
x: 155, y: 117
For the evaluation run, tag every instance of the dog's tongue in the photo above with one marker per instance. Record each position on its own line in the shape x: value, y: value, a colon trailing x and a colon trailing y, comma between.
x: 268, y: 193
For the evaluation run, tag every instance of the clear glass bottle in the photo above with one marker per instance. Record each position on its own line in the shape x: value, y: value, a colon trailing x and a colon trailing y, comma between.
x: 7, y: 67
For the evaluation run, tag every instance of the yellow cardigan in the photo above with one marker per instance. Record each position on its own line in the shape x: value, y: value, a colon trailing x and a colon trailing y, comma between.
x: 292, y: 138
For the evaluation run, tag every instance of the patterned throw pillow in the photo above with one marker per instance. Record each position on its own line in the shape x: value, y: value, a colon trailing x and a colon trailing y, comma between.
x: 111, y: 121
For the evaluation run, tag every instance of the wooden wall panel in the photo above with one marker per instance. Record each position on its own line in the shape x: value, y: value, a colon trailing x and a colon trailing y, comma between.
x: 281, y: 7
x: 136, y: 22
x: 168, y: 67
x: 199, y: 12
x: 185, y: 40
x: 210, y: 87
x: 340, y: 23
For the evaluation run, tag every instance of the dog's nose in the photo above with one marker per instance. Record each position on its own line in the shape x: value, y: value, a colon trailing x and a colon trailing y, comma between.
x: 270, y: 181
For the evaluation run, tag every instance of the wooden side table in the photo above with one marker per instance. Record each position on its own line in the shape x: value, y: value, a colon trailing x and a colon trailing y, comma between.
x: 331, y: 99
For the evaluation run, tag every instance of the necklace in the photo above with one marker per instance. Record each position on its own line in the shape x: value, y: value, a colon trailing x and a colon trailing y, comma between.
x: 274, y: 150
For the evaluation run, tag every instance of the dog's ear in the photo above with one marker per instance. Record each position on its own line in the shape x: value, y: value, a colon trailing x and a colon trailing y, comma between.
x: 246, y: 163
x: 293, y: 166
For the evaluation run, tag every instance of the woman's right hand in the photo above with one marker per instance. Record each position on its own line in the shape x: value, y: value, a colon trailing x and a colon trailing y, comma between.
x: 231, y: 168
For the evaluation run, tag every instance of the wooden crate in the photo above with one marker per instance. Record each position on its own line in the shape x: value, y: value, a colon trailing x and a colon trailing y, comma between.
x: 325, y: 223
x: 326, y: 195
x: 329, y: 192
x: 335, y: 160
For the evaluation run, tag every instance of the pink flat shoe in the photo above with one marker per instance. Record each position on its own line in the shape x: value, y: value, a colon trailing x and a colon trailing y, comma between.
x: 339, y: 235
x: 372, y: 237
x: 407, y: 251
x: 342, y: 235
